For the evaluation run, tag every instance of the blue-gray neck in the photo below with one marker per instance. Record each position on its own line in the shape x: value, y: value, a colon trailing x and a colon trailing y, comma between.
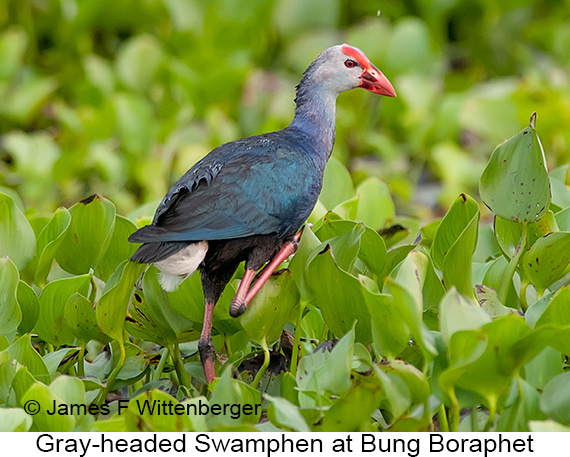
x: 315, y: 118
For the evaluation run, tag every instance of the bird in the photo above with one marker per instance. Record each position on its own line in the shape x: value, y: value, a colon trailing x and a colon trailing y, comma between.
x: 247, y: 200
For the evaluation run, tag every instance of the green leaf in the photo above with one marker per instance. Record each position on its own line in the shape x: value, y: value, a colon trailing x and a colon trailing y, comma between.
x: 49, y: 241
x: 455, y: 243
x: 119, y: 247
x: 23, y: 351
x: 337, y: 184
x: 51, y: 326
x: 140, y: 418
x: 547, y: 260
x: 30, y: 306
x: 118, y: 293
x: 515, y: 183
x: 88, y: 235
x: 46, y: 399
x: 14, y: 420
x: 555, y: 401
x: 459, y: 313
x: 267, y: 314
x: 10, y: 311
x: 351, y: 413
x: 17, y: 239
x: 558, y: 310
x: 375, y: 206
x: 137, y: 62
x: 80, y: 318
x: 285, y: 414
x: 339, y: 297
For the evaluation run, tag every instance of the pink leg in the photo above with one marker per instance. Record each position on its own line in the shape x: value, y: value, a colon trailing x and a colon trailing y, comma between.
x: 239, y: 307
x: 205, y: 346
x: 240, y: 297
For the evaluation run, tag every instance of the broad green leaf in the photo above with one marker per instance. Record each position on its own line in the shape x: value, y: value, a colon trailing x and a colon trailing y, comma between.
x: 515, y: 183
x: 337, y: 184
x: 455, y: 222
x: 137, y: 62
x: 522, y: 406
x: 542, y: 368
x: 141, y: 323
x: 80, y: 318
x: 414, y: 378
x: 489, y: 301
x: 555, y: 401
x: 232, y: 391
x: 351, y: 413
x: 140, y: 418
x: 30, y: 306
x: 119, y: 247
x: 23, y: 352
x: 51, y: 326
x: 17, y: 239
x: 558, y: 310
x: 10, y: 311
x: 135, y: 123
x: 285, y: 414
x: 547, y: 260
x: 14, y: 420
x: 45, y: 399
x: 88, y: 235
x: 118, y: 293
x: 459, y: 313
x: 271, y: 308
x: 308, y: 243
x: 339, y: 297
x: 375, y: 206
x: 49, y: 241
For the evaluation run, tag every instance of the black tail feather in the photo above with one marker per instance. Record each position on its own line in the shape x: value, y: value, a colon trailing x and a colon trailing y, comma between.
x: 155, y: 252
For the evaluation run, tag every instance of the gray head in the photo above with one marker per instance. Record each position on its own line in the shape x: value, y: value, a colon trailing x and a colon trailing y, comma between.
x: 344, y: 67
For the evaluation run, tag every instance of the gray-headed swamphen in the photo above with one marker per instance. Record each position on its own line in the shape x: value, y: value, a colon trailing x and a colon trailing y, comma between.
x: 246, y: 200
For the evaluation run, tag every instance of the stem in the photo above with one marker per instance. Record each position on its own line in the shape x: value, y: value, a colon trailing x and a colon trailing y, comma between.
x: 111, y: 379
x: 93, y: 293
x: 524, y: 284
x: 81, y: 360
x: 160, y: 367
x: 263, y: 367
x: 442, y: 416
x: 455, y: 412
x: 474, y: 422
x: 492, y: 411
x: 297, y: 340
x: 512, y: 266
x: 227, y: 345
x: 183, y: 378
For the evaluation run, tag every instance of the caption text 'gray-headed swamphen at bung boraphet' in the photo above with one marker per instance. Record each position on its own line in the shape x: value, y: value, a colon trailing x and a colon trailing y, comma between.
x: 246, y: 200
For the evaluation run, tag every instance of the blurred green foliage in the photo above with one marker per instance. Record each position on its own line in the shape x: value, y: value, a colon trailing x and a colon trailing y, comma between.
x: 122, y: 97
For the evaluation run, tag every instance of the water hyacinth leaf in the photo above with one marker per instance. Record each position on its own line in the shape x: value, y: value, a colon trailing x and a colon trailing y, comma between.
x: 489, y: 300
x: 158, y: 305
x: 337, y: 184
x: 10, y: 311
x: 413, y: 378
x: 271, y: 308
x: 457, y: 219
x: 51, y: 326
x: 375, y: 206
x: 555, y: 401
x: 285, y: 414
x: 351, y: 413
x: 339, y: 297
x: 49, y: 240
x: 24, y: 353
x: 557, y: 311
x: 17, y: 239
x: 137, y: 62
x: 308, y: 243
x: 46, y: 400
x: 80, y: 318
x: 515, y: 183
x: 14, y: 420
x: 459, y: 313
x: 232, y: 391
x: 88, y: 235
x: 524, y: 407
x: 140, y: 418
x: 547, y: 259
x: 119, y: 247
x: 30, y: 306
x: 118, y: 293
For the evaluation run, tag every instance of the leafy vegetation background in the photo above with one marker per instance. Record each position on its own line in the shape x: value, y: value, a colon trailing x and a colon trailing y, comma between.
x: 121, y: 98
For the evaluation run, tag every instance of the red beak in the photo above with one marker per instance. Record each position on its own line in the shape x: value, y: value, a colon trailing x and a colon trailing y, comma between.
x: 371, y: 79
x: 374, y: 81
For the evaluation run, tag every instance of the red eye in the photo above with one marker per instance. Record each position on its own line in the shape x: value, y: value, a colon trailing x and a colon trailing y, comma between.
x: 349, y: 63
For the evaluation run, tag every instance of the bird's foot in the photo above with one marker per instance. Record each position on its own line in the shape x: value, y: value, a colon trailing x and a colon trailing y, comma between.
x: 207, y: 357
x: 237, y: 307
